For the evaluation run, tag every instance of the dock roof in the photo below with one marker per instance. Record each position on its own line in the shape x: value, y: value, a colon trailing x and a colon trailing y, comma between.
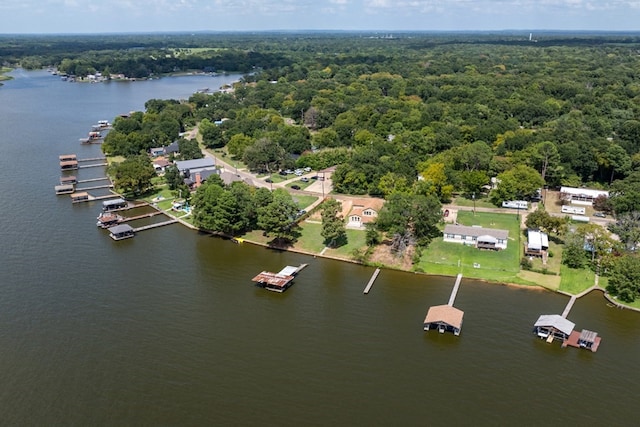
x: 445, y: 314
x: 121, y: 228
x: 273, y: 279
x: 555, y: 321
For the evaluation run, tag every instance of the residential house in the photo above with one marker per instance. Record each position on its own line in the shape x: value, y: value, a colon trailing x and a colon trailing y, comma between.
x: 361, y: 211
x: 482, y: 238
x: 537, y: 243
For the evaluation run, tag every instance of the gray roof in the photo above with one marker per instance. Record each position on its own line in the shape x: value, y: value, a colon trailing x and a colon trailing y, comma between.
x: 464, y: 230
x: 588, y: 336
x: 556, y: 321
x: 122, y: 228
x: 537, y: 239
x: 206, y: 162
x: 172, y: 148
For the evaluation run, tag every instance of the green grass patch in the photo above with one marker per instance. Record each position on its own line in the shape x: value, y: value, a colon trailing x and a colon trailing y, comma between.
x: 310, y: 239
x: 481, y: 202
x: 356, y: 239
x: 576, y: 280
x: 304, y: 201
x: 453, y: 258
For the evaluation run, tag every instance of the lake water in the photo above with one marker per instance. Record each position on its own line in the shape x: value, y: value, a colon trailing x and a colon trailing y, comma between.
x: 168, y: 329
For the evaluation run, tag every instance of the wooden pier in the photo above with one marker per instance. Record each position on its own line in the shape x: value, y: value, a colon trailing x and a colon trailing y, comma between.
x: 95, y: 165
x: 373, y: 279
x: 567, y: 309
x: 92, y: 159
x: 95, y: 187
x: 82, y: 181
x: 454, y: 292
x: 156, y: 225
x: 143, y: 216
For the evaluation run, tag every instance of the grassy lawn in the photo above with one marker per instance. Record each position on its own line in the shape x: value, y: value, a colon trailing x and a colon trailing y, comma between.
x: 481, y: 202
x: 356, y: 239
x: 576, y: 280
x: 300, y: 184
x: 453, y: 258
x: 310, y: 240
x: 304, y: 201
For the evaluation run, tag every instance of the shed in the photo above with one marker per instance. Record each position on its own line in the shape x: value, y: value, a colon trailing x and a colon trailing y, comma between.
x: 444, y: 318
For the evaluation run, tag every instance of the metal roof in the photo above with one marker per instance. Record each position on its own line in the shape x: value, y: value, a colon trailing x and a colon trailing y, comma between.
x: 122, y: 228
x: 476, y: 231
x: 555, y: 321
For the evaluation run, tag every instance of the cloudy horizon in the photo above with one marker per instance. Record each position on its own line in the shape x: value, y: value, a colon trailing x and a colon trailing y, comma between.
x: 118, y: 16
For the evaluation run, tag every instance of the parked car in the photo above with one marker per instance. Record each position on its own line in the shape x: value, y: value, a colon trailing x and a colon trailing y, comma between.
x: 269, y: 180
x: 307, y: 169
x: 600, y: 214
x: 304, y: 179
x: 295, y: 187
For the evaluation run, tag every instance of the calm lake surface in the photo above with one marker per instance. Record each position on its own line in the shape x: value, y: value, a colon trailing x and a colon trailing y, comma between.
x: 168, y: 329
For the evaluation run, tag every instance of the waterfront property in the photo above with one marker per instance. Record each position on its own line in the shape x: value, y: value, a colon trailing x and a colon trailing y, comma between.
x: 446, y: 317
x: 68, y: 180
x: 585, y: 339
x: 64, y: 189
x: 553, y: 326
x: 108, y: 219
x: 121, y: 232
x: 362, y: 211
x: 480, y: 237
x: 67, y: 165
x: 537, y: 243
x: 278, y: 282
x: 81, y: 196
x: 115, y: 204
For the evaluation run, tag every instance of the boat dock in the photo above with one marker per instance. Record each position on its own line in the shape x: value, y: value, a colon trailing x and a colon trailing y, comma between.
x: 373, y: 279
x: 156, y: 225
x: 94, y: 165
x: 82, y: 181
x: 278, y: 282
x: 567, y: 309
x: 454, y: 292
x: 446, y: 317
x: 95, y: 187
x: 133, y: 218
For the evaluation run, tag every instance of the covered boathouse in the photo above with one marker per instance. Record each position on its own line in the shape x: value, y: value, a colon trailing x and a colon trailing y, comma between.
x: 586, y: 339
x: 444, y: 318
x: 111, y: 205
x: 121, y: 232
x: 278, y: 282
x: 553, y: 326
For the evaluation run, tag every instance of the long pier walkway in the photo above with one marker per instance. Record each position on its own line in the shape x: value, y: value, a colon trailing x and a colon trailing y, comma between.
x: 147, y: 215
x: 92, y: 165
x: 95, y: 187
x: 373, y: 279
x: 454, y: 292
x: 92, y: 159
x: 569, y: 306
x: 156, y: 225
x: 82, y: 181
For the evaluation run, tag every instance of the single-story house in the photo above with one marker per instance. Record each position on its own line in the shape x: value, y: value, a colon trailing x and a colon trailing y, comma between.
x: 482, y: 238
x: 581, y: 196
x: 161, y: 164
x: 156, y: 151
x: 188, y: 167
x: 537, y: 243
x: 172, y: 148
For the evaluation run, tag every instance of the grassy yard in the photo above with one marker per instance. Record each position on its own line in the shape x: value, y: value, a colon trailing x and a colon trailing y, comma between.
x: 576, y: 280
x: 453, y: 258
x: 304, y: 201
x: 481, y: 202
x: 356, y: 239
x: 310, y: 239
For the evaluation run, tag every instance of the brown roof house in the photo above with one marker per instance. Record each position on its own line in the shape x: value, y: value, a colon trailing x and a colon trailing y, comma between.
x: 361, y: 211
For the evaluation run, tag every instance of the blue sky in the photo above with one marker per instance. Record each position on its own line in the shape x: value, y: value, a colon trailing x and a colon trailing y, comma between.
x: 108, y: 16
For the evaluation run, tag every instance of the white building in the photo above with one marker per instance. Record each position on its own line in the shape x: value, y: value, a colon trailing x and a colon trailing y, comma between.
x: 582, y: 196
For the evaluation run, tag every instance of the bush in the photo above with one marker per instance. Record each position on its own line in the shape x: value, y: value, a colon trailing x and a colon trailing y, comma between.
x: 526, y: 263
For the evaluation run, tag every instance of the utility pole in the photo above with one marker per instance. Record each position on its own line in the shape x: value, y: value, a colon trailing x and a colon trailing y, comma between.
x: 474, y: 203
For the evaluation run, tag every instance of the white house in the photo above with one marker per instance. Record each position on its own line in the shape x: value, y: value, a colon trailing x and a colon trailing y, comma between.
x: 582, y: 196
x: 363, y: 211
x: 482, y: 238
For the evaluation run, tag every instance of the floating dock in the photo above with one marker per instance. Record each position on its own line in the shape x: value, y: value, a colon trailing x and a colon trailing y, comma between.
x: 278, y: 282
x: 446, y: 317
x: 373, y: 279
